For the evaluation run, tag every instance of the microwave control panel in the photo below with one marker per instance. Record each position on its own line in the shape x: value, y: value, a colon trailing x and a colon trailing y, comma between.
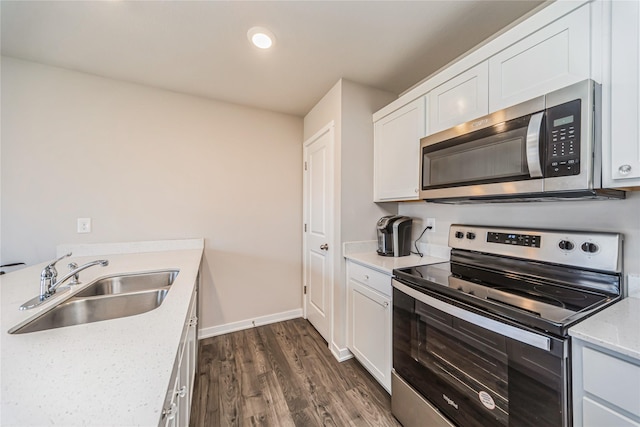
x: 562, y: 157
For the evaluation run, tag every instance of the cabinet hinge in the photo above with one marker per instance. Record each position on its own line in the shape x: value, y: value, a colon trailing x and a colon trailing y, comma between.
x: 305, y: 289
x: 305, y: 228
x: 305, y: 165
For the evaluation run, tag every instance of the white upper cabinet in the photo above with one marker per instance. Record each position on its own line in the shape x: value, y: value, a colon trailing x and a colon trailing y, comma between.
x: 460, y: 99
x: 396, y: 152
x: 621, y: 99
x: 555, y: 56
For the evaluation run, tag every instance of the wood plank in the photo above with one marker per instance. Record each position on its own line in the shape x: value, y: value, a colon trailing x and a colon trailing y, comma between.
x: 283, y: 374
x: 205, y: 410
x: 230, y: 397
x: 278, y: 411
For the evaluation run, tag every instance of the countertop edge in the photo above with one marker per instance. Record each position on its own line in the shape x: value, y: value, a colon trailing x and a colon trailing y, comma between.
x: 614, y: 329
x: 386, y: 265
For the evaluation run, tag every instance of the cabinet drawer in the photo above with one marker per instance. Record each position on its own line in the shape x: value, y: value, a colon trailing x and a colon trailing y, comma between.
x: 369, y: 277
x: 612, y: 379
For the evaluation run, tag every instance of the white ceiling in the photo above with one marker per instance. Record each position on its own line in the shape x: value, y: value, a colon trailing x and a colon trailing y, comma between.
x: 201, y: 47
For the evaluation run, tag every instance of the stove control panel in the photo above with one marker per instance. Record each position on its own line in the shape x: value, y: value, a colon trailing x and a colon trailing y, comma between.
x: 592, y: 250
x: 514, y: 239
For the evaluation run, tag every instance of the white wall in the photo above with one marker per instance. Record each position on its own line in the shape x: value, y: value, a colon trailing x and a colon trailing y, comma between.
x: 350, y: 106
x: 148, y: 164
x: 359, y: 213
x: 595, y: 215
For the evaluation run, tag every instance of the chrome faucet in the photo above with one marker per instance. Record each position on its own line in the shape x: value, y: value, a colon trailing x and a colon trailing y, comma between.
x: 73, y: 273
x: 49, y: 281
x: 49, y: 275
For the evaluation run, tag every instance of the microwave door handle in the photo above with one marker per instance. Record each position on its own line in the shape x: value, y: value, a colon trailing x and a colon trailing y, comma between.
x: 533, y: 145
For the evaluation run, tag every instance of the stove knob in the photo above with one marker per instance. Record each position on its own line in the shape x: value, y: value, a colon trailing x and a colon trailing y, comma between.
x: 566, y: 245
x: 459, y: 234
x: 590, y: 248
x: 471, y: 235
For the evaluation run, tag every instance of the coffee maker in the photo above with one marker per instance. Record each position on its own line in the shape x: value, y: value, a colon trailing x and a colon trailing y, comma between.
x: 394, y: 235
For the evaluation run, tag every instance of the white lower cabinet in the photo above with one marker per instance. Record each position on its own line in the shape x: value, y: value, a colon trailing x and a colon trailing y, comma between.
x: 177, y: 406
x: 369, y: 320
x: 606, y: 387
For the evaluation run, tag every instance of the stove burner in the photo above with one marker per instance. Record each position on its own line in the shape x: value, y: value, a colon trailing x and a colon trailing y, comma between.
x: 564, y: 294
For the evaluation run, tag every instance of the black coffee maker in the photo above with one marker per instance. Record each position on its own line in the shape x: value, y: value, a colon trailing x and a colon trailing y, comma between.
x: 394, y: 235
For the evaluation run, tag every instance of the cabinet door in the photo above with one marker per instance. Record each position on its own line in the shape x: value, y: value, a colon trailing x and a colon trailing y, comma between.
x: 549, y: 59
x: 182, y: 390
x: 370, y: 331
x: 460, y: 99
x: 618, y: 384
x: 172, y: 413
x: 624, y: 139
x: 188, y: 366
x: 397, y: 153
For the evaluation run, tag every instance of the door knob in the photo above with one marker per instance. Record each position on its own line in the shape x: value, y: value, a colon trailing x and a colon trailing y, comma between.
x: 324, y: 247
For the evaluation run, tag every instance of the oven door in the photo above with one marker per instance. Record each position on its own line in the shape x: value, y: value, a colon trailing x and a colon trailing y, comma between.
x: 475, y: 370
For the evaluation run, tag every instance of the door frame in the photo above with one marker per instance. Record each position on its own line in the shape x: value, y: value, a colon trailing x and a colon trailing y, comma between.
x: 330, y: 129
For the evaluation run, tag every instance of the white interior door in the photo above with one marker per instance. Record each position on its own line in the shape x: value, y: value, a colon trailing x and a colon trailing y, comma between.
x: 318, y: 230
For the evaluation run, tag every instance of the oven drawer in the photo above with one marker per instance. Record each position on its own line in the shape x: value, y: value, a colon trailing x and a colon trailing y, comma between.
x: 411, y: 409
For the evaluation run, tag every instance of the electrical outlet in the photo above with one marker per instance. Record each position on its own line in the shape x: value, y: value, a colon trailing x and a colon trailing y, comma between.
x: 431, y: 222
x: 84, y: 225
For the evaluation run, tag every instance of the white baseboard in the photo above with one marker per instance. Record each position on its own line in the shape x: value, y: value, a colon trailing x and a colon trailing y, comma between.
x: 341, y: 354
x: 249, y: 323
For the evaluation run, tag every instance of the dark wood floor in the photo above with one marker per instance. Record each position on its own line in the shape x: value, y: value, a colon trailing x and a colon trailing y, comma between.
x: 283, y: 374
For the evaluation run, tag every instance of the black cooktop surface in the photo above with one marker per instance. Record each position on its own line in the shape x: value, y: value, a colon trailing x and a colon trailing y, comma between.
x: 538, y: 296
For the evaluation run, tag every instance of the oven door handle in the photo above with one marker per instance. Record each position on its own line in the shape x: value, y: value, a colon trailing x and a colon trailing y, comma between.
x: 526, y: 337
x: 533, y: 145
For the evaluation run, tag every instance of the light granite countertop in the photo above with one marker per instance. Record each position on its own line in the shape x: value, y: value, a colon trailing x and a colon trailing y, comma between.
x: 108, y: 373
x: 365, y: 253
x: 617, y: 328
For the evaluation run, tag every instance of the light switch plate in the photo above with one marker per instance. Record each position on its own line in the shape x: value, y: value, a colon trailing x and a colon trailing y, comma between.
x: 84, y: 225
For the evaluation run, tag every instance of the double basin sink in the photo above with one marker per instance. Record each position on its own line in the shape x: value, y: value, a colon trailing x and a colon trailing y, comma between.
x: 107, y: 298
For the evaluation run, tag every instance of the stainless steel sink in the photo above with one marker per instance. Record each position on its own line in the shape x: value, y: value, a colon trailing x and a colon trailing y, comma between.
x: 108, y: 298
x: 125, y: 283
x: 77, y: 311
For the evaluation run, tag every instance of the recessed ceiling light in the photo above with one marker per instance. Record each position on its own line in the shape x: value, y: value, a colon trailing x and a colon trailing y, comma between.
x: 261, y: 37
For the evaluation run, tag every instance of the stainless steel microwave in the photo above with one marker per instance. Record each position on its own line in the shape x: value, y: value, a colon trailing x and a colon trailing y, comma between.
x: 547, y: 148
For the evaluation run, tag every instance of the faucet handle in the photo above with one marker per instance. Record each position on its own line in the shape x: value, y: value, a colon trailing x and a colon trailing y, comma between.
x: 53, y: 263
x: 51, y: 267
